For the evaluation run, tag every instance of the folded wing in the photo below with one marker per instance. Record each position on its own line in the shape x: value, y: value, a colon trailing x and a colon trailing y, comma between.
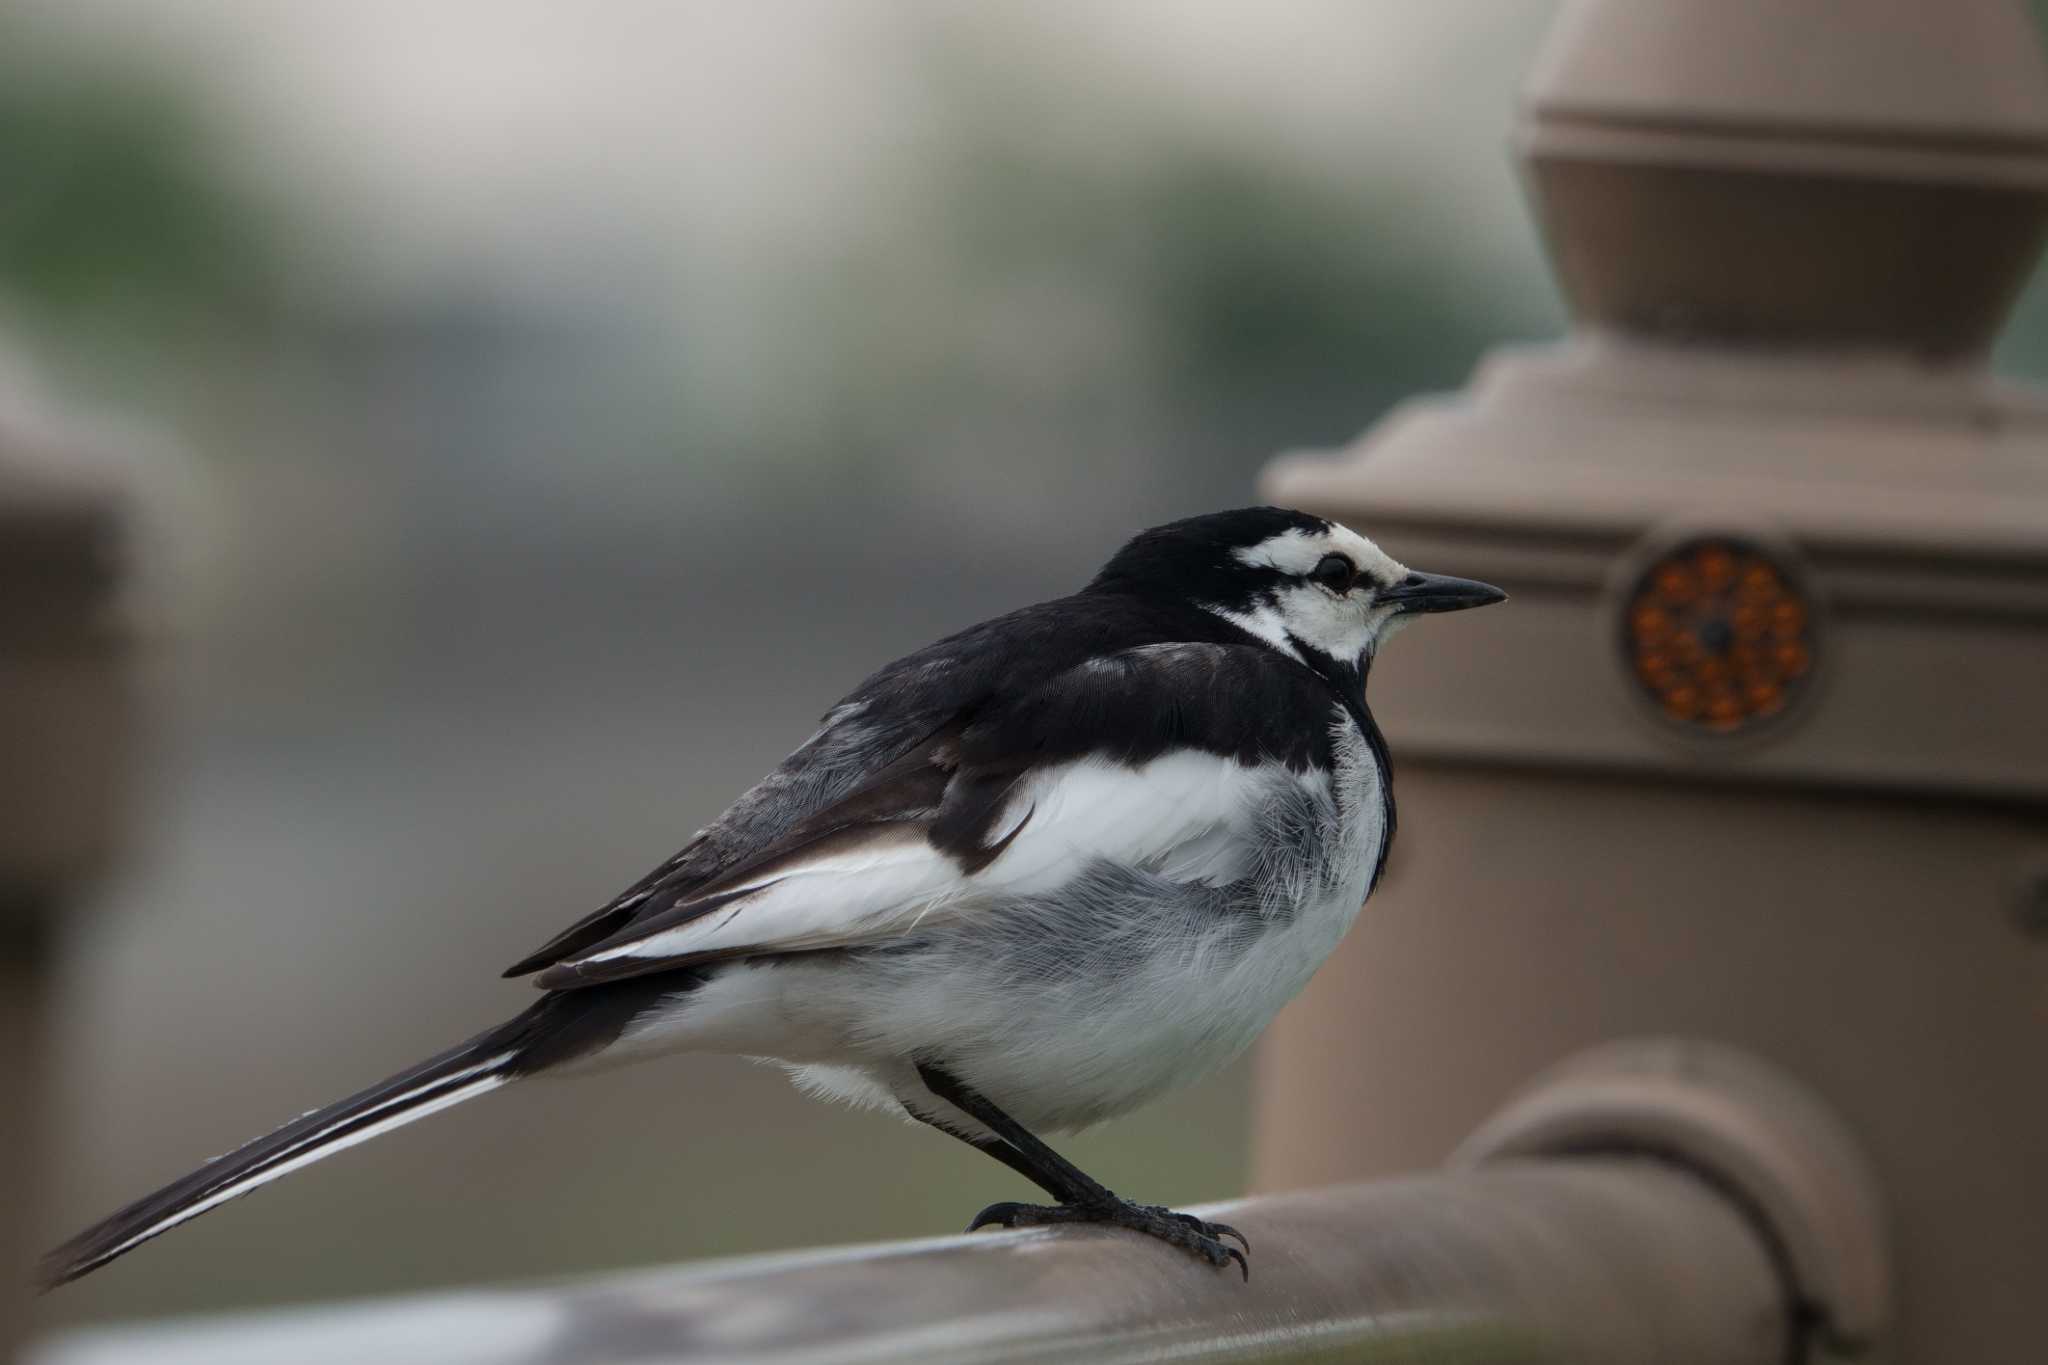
x: 891, y: 715
x: 1159, y: 757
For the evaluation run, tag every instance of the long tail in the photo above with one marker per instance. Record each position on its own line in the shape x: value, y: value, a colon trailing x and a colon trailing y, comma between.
x: 558, y: 1028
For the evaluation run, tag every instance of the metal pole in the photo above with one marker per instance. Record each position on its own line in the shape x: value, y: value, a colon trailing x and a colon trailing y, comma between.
x: 1787, y: 234
x: 1595, y: 1261
x: 65, y: 718
x: 22, y: 1024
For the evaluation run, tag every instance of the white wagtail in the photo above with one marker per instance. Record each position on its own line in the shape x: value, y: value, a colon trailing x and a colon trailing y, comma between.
x: 1021, y: 881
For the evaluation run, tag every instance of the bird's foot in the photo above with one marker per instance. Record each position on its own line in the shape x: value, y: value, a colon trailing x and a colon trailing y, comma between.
x: 1183, y: 1230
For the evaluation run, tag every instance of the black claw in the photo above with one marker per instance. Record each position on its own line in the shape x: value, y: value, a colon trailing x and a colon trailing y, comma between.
x: 1001, y: 1214
x: 1207, y: 1229
x: 1225, y: 1230
x: 1183, y: 1230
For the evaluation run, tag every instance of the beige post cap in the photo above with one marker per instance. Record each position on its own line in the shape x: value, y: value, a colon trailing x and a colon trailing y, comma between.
x: 1861, y: 172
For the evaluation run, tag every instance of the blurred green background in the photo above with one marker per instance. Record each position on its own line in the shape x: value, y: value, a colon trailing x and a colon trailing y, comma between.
x: 545, y: 411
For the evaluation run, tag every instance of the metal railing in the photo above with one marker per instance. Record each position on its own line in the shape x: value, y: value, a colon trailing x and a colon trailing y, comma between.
x: 1658, y: 1202
x: 1596, y: 1261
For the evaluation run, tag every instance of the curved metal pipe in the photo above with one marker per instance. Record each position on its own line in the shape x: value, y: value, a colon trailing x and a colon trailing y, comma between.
x: 1594, y: 1261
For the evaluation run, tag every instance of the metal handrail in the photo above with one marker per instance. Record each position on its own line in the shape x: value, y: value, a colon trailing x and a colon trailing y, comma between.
x: 1608, y: 1260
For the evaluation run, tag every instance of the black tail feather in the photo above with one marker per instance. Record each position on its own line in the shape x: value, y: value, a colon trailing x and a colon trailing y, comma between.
x: 557, y: 1028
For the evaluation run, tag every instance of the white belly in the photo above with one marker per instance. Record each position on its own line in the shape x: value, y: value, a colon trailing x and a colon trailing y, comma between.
x: 1068, y: 1008
x: 1143, y: 1032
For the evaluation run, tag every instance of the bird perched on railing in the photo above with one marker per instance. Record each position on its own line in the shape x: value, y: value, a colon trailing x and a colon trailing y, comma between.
x: 1023, y: 880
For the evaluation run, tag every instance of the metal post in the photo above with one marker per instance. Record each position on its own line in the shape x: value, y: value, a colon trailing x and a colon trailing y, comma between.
x: 1756, y: 753
x: 22, y: 1014
x: 64, y: 724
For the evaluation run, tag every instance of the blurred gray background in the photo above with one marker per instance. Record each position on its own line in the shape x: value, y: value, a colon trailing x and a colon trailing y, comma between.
x: 547, y: 410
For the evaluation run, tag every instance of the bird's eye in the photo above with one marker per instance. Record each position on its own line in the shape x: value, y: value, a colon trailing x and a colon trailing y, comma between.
x: 1335, y: 573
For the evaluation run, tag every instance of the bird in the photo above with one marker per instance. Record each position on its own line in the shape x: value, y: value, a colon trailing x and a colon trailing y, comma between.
x: 1017, y: 883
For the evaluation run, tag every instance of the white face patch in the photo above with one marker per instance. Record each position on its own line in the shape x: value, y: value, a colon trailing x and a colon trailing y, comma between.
x: 1297, y: 551
x: 1266, y: 624
x: 1345, y: 627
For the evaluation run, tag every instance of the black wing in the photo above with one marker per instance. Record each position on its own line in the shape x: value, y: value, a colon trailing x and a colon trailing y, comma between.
x: 850, y: 747
x: 908, y: 704
x: 925, y: 828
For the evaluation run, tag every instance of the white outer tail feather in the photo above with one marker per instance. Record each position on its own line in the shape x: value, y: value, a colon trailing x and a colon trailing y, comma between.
x: 304, y: 1157
x: 430, y: 1094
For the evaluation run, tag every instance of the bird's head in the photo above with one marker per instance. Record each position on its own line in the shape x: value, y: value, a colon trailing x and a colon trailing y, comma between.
x: 1307, y: 587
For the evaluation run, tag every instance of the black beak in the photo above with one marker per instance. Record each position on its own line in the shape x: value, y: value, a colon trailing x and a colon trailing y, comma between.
x: 1420, y: 592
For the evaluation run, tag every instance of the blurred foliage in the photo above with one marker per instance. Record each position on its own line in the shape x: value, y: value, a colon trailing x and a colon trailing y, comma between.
x: 120, y: 236
x: 1127, y: 298
x: 1303, y: 308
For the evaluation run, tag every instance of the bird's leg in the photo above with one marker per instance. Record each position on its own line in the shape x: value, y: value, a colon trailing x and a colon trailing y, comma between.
x: 993, y: 1147
x: 1082, y: 1198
